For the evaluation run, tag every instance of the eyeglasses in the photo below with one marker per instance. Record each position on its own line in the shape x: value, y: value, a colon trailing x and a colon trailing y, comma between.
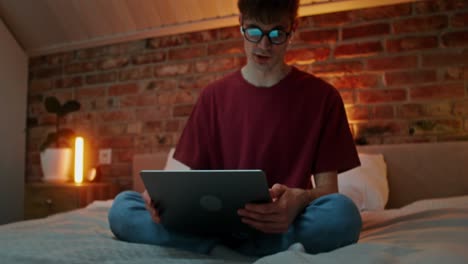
x: 255, y: 35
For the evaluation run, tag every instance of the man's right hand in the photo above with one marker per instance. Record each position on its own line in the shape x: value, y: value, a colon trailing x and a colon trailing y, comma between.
x: 150, y: 206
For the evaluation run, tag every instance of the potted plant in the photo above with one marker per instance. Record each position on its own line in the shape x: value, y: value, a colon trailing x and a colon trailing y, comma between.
x: 56, y: 151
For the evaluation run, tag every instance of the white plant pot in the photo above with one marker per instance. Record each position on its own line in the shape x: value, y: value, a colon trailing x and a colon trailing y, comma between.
x: 56, y: 164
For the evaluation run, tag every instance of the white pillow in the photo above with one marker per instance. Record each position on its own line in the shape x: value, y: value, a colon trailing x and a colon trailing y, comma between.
x: 366, y: 185
x: 173, y: 164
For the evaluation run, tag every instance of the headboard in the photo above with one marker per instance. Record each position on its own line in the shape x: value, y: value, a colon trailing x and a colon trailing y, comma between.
x: 415, y: 171
x: 423, y: 170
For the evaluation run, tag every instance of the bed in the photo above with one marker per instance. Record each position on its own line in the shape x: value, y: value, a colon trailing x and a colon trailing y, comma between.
x: 419, y: 214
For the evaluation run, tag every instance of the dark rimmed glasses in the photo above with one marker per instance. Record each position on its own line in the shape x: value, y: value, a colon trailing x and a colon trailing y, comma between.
x: 275, y: 36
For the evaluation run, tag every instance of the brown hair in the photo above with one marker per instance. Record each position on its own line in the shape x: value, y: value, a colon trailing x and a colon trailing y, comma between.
x: 268, y: 11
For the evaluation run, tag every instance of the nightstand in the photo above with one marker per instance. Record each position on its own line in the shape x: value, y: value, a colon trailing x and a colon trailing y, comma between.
x: 44, y: 199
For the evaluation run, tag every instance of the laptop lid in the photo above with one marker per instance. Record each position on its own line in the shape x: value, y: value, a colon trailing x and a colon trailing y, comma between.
x: 205, y: 202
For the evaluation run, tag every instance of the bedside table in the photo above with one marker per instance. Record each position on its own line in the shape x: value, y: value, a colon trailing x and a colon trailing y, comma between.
x: 44, y: 199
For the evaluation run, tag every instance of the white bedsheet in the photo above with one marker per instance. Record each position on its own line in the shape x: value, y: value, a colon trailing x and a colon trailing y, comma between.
x: 430, y: 231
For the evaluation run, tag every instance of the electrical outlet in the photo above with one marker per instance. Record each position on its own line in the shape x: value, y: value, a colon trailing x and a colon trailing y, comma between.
x: 105, y: 156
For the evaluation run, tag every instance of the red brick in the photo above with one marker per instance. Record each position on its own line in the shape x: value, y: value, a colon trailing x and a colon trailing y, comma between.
x: 165, y: 42
x: 163, y: 84
x: 347, y: 96
x: 37, y: 62
x: 319, y: 36
x: 223, y: 48
x: 200, y: 37
x: 93, y: 104
x: 383, y: 112
x: 436, y: 126
x: 134, y: 128
x: 381, y: 96
x: 152, y: 127
x: 306, y: 56
x: 127, y: 48
x: 88, y: 93
x: 197, y: 82
x: 331, y: 19
x: 43, y: 73
x: 460, y: 108
x: 123, y: 89
x: 410, y: 77
x: 111, y: 129
x: 218, y: 64
x: 457, y: 73
x: 434, y: 6
x: 433, y: 92
x: 69, y: 82
x: 172, y: 69
x: 182, y: 110
x: 92, y: 53
x: 459, y: 20
x: 390, y: 63
x: 124, y: 141
x: 455, y: 39
x: 39, y: 86
x: 172, y: 126
x: 443, y: 108
x: 184, y: 97
x: 358, y: 113
x: 410, y: 111
x: 120, y: 170
x: 113, y: 63
x: 230, y: 33
x: 62, y: 95
x: 60, y: 58
x: 381, y: 128
x: 153, y: 113
x: 166, y: 98
x: 409, y: 139
x: 420, y: 24
x: 147, y: 58
x: 187, y: 53
x: 101, y: 78
x: 143, y: 99
x: 80, y: 67
x: 364, y: 31
x: 337, y: 67
x: 116, y: 116
x: 124, y: 155
x: 358, y: 49
x: 354, y: 81
x: 137, y: 73
x: 382, y: 12
x: 412, y: 43
x: 444, y: 59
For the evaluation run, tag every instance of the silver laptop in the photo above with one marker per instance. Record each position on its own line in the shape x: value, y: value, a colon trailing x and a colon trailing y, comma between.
x: 205, y: 202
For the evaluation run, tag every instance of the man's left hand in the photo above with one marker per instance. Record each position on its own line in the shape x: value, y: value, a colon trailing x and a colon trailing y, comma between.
x: 277, y: 216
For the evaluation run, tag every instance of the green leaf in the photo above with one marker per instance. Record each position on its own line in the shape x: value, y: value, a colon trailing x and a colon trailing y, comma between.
x: 68, y: 107
x: 51, y: 139
x: 52, y: 105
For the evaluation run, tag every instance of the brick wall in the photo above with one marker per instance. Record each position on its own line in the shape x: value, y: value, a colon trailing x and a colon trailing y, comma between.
x: 402, y: 71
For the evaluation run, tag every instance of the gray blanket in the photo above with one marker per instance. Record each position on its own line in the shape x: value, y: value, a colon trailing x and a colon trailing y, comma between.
x: 430, y: 231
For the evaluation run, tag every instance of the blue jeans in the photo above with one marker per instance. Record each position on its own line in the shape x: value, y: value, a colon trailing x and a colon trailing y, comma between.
x: 329, y: 222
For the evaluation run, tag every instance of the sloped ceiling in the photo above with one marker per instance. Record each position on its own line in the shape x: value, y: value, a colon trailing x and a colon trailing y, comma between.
x: 48, y: 26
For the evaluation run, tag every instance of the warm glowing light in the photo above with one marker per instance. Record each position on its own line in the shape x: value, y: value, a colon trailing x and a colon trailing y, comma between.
x: 79, y: 157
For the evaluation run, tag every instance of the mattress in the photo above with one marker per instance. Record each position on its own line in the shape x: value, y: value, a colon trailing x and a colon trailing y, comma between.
x: 428, y: 231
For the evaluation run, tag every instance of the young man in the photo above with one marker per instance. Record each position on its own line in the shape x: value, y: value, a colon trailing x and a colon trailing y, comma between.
x: 268, y: 116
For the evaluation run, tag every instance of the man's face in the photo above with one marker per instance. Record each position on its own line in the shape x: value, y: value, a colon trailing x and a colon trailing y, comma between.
x: 266, y: 55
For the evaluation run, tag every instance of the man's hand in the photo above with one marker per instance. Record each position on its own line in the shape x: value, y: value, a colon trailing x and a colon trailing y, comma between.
x: 277, y: 216
x: 150, y: 206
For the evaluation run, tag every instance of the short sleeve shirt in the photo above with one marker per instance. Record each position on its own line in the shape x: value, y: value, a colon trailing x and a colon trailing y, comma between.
x: 291, y: 130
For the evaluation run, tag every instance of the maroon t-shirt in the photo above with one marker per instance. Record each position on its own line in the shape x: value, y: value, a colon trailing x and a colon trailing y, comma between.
x: 291, y: 130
